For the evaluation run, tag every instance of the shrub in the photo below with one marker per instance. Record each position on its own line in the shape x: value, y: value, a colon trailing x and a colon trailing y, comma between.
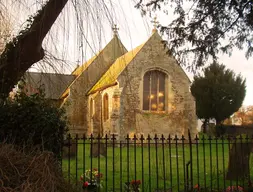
x: 32, y: 121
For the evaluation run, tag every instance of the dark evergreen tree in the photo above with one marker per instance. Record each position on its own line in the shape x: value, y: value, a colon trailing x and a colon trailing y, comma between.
x: 218, y: 93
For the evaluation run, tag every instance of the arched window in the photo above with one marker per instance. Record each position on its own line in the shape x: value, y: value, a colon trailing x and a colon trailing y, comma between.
x: 154, y: 91
x: 91, y: 107
x: 91, y: 114
x: 105, y: 107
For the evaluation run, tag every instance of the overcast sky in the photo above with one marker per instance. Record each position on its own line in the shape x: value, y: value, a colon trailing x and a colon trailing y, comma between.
x: 66, y: 39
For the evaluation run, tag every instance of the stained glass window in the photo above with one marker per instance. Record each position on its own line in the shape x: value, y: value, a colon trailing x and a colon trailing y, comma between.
x: 154, y: 91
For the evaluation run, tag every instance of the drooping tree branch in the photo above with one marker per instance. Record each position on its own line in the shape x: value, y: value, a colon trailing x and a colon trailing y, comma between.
x: 201, y: 29
x: 26, y: 49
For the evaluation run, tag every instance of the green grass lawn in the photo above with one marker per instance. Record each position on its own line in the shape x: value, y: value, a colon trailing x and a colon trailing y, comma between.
x: 158, y: 167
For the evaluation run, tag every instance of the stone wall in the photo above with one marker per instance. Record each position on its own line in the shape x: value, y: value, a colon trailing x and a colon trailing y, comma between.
x: 77, y: 104
x: 179, y: 115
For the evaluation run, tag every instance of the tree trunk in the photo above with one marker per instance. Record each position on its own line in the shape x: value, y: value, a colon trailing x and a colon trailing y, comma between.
x: 26, y: 49
x: 219, y: 129
x: 238, y: 166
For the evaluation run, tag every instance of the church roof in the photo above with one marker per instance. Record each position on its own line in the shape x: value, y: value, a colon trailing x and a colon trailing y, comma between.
x: 108, y: 54
x: 110, y: 77
x: 115, y: 43
x: 53, y: 84
x: 116, y: 68
x: 114, y: 54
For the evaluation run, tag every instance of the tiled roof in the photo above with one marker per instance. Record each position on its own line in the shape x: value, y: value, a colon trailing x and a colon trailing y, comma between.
x: 52, y: 83
x: 116, y: 68
x: 115, y: 48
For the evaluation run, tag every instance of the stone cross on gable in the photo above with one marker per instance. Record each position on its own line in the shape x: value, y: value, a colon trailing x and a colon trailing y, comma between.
x: 115, y: 29
x: 155, y: 23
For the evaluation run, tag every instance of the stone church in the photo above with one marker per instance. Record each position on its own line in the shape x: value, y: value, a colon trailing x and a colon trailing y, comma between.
x: 142, y: 91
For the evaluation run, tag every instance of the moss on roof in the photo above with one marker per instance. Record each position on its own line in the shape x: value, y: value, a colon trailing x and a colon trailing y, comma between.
x: 114, y: 47
x: 116, y: 68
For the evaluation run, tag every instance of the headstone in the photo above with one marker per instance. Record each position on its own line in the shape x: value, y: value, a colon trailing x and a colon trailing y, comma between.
x: 98, y: 149
x: 69, y: 149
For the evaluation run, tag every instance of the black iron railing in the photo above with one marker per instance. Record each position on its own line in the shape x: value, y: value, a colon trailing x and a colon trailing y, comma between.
x: 158, y: 164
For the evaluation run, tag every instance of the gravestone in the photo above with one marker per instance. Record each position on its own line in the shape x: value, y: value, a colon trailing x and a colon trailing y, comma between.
x: 98, y: 149
x: 69, y: 148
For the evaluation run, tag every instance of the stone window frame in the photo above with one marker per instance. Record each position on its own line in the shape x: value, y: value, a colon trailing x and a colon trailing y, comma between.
x: 167, y: 80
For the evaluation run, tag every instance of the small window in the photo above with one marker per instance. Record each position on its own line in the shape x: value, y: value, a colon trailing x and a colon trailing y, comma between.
x: 91, y: 107
x: 91, y: 114
x: 105, y: 107
x: 154, y: 91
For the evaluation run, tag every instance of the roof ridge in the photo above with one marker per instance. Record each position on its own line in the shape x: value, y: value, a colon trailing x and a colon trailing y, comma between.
x: 41, y: 73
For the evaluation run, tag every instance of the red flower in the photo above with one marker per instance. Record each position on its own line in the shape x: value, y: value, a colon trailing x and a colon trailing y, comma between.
x: 234, y: 188
x: 85, y: 184
x: 99, y: 175
x: 95, y: 169
x: 135, y: 182
x: 197, y: 187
